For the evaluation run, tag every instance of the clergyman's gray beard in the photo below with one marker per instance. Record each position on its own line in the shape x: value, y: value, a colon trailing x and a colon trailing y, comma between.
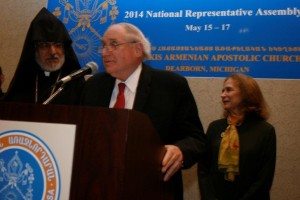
x: 51, y: 68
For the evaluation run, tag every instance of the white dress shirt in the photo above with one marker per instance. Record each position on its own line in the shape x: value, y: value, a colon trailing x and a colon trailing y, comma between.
x: 130, y: 89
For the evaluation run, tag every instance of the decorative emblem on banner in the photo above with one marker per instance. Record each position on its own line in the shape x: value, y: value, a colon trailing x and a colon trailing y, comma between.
x: 86, y: 21
x: 28, y: 169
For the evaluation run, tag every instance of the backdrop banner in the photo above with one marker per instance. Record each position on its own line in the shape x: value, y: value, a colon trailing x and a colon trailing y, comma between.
x: 207, y: 38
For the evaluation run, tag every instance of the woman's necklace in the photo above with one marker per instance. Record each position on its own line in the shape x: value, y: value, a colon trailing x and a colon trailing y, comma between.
x: 236, y: 120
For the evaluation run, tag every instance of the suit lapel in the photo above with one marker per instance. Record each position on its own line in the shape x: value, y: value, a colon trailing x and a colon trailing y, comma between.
x: 107, y: 87
x: 143, y: 89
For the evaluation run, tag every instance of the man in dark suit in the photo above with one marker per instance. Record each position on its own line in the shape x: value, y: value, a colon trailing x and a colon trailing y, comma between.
x: 164, y: 96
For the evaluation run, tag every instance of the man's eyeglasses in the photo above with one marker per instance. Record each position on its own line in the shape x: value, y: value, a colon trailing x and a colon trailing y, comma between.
x: 113, y: 45
x: 48, y: 45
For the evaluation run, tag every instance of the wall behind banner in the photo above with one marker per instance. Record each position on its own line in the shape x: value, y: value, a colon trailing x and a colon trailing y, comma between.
x: 283, y: 97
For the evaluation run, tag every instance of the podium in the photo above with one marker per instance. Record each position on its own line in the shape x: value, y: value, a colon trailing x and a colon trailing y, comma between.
x: 117, y: 153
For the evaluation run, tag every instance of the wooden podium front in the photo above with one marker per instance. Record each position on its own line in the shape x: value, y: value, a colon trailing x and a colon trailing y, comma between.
x: 117, y: 152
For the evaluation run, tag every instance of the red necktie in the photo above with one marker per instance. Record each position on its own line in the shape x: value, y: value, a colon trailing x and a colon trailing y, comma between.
x: 120, y: 103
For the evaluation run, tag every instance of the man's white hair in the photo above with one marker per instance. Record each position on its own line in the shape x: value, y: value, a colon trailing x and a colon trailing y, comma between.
x: 136, y: 35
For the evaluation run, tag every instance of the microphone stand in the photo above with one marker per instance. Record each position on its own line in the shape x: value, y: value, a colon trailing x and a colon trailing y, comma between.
x: 58, y: 91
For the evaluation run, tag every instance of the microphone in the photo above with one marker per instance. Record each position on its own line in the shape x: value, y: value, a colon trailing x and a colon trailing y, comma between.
x: 89, y: 68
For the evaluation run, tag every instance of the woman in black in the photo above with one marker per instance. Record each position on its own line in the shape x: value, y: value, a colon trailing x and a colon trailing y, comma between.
x: 241, y: 150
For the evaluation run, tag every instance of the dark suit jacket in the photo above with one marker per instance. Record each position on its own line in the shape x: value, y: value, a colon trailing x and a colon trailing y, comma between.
x: 167, y: 99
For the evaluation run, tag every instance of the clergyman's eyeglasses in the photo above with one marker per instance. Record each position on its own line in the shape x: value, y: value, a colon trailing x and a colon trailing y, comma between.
x: 48, y: 45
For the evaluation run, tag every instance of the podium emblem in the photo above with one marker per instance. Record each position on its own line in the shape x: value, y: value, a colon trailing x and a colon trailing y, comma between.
x: 28, y: 169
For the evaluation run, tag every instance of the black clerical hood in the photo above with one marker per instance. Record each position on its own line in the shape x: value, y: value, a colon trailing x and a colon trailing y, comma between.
x: 45, y: 27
